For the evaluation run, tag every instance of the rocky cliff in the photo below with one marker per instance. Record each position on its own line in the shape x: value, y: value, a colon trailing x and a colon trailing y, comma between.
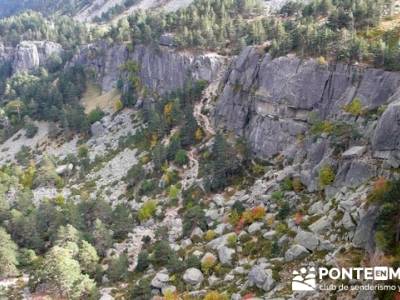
x: 269, y: 100
x: 160, y: 69
x: 29, y: 55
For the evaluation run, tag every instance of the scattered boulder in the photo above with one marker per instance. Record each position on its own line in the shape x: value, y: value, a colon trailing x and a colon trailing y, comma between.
x: 262, y: 278
x: 364, y: 234
x: 354, y: 152
x: 160, y: 280
x: 256, y: 226
x: 193, y: 276
x: 296, y: 252
x: 307, y: 240
x: 225, y: 255
x: 321, y: 225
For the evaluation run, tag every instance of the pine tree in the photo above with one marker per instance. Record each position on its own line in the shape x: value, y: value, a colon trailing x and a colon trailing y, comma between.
x: 8, y: 255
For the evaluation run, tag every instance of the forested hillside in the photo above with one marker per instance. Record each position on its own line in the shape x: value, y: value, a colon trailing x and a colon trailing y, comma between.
x: 201, y: 149
x: 67, y: 7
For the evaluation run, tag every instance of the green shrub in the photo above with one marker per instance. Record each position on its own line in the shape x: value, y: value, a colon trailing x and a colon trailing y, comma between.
x: 194, y: 217
x: 95, y: 115
x: 326, y: 176
x: 284, y: 211
x: 210, y: 235
x: 118, y: 268
x: 83, y: 151
x: 31, y: 130
x: 143, y: 261
x: 141, y: 290
x: 147, y: 210
x: 354, y: 108
x: 181, y: 157
x: 147, y: 186
x: 173, y: 192
x: 232, y: 240
x: 277, y: 196
x: 193, y: 261
x: 287, y: 184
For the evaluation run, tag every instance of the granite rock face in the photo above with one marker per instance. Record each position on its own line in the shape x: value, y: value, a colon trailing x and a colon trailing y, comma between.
x: 160, y: 69
x: 28, y: 55
x: 269, y: 101
x: 386, y: 136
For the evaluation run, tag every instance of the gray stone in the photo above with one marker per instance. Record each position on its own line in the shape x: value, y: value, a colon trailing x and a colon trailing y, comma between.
x: 193, y: 276
x: 269, y: 235
x: 97, y: 129
x: 225, y: 255
x: 29, y: 55
x: 160, y: 280
x: 364, y: 234
x: 321, y: 225
x: 354, y: 173
x: 354, y: 152
x: 197, y: 232
x: 217, y: 243
x: 262, y: 278
x: 307, y: 240
x: 386, y: 137
x: 296, y: 252
x: 254, y: 227
x: 347, y: 221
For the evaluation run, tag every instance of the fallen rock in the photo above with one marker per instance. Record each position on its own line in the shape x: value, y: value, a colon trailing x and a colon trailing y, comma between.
x: 225, y: 255
x: 307, y: 240
x: 193, y: 276
x: 161, y: 280
x: 262, y: 278
x: 354, y: 152
x: 256, y: 226
x: 321, y: 225
x: 296, y: 252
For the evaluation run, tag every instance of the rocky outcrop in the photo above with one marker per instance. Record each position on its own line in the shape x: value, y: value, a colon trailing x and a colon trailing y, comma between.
x: 160, y: 69
x: 29, y: 55
x: 386, y: 136
x: 269, y: 100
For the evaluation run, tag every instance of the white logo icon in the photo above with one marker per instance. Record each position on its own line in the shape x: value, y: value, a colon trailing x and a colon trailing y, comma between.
x: 305, y: 280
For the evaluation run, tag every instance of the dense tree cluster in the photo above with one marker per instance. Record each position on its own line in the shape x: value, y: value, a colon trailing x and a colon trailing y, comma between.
x: 204, y: 24
x: 340, y: 29
x: 67, y: 7
x: 59, y: 240
x: 33, y: 26
x: 51, y: 97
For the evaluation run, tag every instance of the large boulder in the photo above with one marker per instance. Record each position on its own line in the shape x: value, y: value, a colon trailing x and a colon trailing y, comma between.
x: 225, y: 255
x: 261, y: 277
x: 160, y: 280
x: 364, y: 234
x: 307, y: 240
x: 296, y: 252
x: 386, y: 137
x: 193, y: 276
x: 321, y: 225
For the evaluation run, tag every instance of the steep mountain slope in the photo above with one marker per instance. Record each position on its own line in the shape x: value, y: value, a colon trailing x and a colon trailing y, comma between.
x: 69, y: 7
